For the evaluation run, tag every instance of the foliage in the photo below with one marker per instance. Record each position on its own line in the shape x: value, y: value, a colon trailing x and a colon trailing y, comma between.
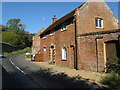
x: 18, y: 51
x: 112, y: 80
x: 51, y: 62
x: 27, y: 55
x: 2, y: 27
x: 14, y: 33
x: 10, y: 37
x: 114, y: 66
x: 14, y: 25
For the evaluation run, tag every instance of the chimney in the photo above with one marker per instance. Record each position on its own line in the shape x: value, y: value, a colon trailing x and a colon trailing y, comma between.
x: 54, y: 18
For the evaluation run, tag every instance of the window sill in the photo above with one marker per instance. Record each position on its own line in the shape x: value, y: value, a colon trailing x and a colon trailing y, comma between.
x: 64, y: 59
x: 63, y: 30
x: 99, y: 28
x: 44, y: 38
x: 52, y: 35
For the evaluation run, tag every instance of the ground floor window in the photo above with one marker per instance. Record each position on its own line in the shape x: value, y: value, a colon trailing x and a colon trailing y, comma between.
x: 64, y: 53
x: 44, y: 48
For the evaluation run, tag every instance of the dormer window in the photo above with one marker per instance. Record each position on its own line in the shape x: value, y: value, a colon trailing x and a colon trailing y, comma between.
x: 44, y: 36
x: 99, y: 23
x: 52, y: 32
x: 63, y: 27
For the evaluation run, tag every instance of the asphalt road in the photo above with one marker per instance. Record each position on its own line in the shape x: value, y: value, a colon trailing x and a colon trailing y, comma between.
x: 13, y: 77
x: 20, y: 73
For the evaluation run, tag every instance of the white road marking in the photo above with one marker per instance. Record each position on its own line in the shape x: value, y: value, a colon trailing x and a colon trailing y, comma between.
x: 24, y: 72
x: 16, y: 66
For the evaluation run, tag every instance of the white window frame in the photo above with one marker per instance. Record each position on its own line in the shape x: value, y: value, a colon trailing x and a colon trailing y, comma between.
x: 63, y: 27
x: 44, y: 49
x: 52, y: 32
x: 44, y: 36
x: 99, y: 23
x: 64, y: 53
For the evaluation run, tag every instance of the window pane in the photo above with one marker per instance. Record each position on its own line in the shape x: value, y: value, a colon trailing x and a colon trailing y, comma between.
x: 64, y: 53
x: 96, y: 22
x: 63, y: 27
x: 100, y: 23
x: 44, y: 49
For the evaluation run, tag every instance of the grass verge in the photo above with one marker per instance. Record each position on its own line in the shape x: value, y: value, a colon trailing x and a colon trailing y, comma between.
x: 18, y: 51
x: 112, y: 80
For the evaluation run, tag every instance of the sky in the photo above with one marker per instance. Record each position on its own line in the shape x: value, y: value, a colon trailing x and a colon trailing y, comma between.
x: 36, y: 15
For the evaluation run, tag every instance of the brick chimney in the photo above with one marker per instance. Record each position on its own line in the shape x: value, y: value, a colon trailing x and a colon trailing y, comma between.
x: 54, y: 18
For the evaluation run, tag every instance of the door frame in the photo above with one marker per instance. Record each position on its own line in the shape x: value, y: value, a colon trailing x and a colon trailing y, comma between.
x: 105, y: 56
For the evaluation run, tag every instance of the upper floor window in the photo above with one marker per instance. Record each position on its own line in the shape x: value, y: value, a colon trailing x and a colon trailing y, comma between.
x: 44, y: 48
x: 52, y: 32
x: 63, y: 27
x: 99, y: 23
x: 44, y: 36
x: 64, y: 53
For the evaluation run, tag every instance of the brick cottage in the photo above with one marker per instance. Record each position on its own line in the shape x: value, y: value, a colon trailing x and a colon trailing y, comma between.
x: 87, y: 38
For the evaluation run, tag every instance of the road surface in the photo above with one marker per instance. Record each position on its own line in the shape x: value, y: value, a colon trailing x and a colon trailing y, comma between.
x: 21, y: 73
x: 13, y: 77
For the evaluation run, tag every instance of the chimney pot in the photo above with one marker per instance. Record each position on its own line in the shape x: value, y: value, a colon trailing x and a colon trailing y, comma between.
x: 54, y: 18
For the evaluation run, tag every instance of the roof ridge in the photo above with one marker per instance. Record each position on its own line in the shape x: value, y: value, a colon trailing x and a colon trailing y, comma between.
x: 62, y: 17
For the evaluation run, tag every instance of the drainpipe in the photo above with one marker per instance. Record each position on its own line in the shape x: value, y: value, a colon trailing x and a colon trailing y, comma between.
x: 76, y: 32
x: 96, y: 53
x: 119, y: 46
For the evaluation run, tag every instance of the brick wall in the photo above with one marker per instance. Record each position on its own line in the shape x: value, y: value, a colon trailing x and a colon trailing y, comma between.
x: 36, y: 43
x: 90, y: 47
x: 59, y: 40
x: 86, y: 45
x: 92, y: 10
x: 91, y: 50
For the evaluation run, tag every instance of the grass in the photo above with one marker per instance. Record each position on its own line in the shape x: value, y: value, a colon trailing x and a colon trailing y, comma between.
x: 18, y: 51
x: 112, y: 80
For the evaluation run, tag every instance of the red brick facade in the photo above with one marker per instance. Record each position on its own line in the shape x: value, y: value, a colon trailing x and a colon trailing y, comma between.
x: 86, y: 45
x: 36, y: 42
x: 91, y: 54
x: 59, y: 40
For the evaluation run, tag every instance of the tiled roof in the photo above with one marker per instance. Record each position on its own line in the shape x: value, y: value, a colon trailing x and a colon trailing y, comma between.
x: 59, y: 21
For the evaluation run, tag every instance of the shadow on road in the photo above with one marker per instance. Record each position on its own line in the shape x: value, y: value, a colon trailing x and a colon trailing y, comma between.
x: 8, y: 81
x: 61, y: 80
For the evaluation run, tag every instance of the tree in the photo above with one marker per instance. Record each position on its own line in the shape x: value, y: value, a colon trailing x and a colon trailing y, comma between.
x: 3, y: 28
x: 10, y: 37
x: 17, y: 31
x: 14, y: 25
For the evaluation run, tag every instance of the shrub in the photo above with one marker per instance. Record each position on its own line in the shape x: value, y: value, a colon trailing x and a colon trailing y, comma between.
x: 114, y: 66
x: 27, y: 55
x: 51, y: 62
x: 112, y: 80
